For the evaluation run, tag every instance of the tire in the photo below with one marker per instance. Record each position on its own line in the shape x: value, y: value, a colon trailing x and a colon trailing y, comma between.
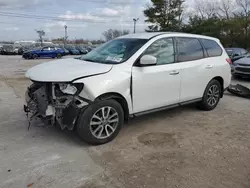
x: 59, y: 56
x: 89, y: 133
x: 207, y: 104
x: 35, y: 56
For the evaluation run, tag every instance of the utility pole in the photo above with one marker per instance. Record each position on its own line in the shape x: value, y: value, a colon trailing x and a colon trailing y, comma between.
x: 135, y: 20
x: 66, y: 35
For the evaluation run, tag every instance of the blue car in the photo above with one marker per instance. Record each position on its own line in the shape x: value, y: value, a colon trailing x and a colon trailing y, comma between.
x: 46, y: 52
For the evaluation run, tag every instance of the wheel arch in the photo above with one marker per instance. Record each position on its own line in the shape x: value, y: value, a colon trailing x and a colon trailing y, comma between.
x: 221, y: 80
x: 119, y: 98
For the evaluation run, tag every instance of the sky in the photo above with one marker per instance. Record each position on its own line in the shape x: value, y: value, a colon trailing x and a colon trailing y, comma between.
x: 86, y: 19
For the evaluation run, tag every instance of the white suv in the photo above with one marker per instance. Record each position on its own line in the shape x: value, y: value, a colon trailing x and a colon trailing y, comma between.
x: 128, y: 76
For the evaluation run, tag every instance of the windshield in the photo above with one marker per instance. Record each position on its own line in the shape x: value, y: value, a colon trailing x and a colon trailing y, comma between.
x: 115, y: 51
x: 229, y: 52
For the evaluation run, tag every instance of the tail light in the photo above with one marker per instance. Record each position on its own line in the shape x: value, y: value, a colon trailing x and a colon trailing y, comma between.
x: 229, y: 61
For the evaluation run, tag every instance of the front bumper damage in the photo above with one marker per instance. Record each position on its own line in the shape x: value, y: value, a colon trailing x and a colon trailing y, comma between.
x: 47, y: 102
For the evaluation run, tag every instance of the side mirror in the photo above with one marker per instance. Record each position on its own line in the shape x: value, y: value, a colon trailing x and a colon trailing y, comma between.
x: 148, y: 60
x: 236, y: 55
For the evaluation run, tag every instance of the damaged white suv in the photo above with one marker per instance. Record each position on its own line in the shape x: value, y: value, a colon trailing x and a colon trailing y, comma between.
x: 128, y: 76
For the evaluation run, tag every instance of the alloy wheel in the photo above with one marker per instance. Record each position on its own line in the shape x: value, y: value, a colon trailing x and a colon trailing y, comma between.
x: 213, y: 95
x: 104, y: 122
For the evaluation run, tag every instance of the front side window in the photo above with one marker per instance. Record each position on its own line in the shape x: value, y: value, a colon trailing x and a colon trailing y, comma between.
x: 188, y: 49
x: 213, y: 49
x: 46, y: 48
x: 163, y: 50
x: 115, y: 51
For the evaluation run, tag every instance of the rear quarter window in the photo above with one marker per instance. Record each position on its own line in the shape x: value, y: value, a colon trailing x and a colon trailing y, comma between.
x: 213, y: 48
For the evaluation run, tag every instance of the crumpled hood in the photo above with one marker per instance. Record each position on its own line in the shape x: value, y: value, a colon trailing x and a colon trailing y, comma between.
x: 65, y: 70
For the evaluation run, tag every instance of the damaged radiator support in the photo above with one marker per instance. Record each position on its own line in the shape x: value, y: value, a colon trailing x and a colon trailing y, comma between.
x: 47, y: 102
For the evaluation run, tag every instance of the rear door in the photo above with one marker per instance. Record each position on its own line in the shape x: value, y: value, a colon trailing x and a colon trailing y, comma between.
x: 52, y: 52
x: 197, y: 70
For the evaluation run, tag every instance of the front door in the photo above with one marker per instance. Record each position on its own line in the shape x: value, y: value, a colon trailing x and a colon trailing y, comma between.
x: 158, y: 85
x: 45, y: 52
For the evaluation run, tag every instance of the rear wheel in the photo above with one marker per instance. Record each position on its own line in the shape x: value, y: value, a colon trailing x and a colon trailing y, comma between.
x: 59, y: 56
x: 211, y: 96
x: 101, y: 122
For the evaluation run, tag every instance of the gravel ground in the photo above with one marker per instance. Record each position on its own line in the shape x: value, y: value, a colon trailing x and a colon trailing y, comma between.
x: 182, y: 147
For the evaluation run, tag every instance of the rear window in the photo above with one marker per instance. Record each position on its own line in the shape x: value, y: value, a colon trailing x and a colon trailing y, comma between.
x: 213, y: 49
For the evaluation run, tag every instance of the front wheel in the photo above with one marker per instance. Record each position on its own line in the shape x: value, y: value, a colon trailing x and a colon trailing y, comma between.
x: 211, y: 96
x: 35, y: 56
x: 101, y: 122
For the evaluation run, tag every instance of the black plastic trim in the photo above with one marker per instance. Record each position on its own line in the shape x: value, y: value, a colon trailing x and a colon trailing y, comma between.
x: 131, y: 88
x: 167, y: 107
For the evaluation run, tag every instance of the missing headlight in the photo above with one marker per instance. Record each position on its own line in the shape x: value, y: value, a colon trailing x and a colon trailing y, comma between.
x: 71, y: 89
x: 68, y: 89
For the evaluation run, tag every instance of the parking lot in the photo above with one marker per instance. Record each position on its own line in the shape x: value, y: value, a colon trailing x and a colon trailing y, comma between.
x: 182, y: 147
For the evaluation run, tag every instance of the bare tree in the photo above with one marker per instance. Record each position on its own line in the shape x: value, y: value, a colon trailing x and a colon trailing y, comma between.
x: 41, y: 34
x: 226, y: 8
x: 244, y: 5
x: 114, y: 33
x: 206, y: 9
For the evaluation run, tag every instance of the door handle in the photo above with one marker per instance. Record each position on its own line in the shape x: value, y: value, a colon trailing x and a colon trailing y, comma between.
x: 209, y: 66
x: 174, y: 72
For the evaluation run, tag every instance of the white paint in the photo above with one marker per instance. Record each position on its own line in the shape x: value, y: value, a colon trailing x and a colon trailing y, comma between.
x: 65, y: 70
x: 153, y: 86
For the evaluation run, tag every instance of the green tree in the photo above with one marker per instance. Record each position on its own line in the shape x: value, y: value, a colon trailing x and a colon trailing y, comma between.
x: 164, y: 15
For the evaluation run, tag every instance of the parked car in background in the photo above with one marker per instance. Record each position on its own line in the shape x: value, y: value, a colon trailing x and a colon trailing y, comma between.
x: 66, y: 52
x: 89, y: 48
x: 23, y: 49
x: 9, y: 50
x: 129, y: 76
x: 236, y: 53
x: 45, y: 52
x: 82, y: 50
x: 241, y: 67
x: 73, y: 50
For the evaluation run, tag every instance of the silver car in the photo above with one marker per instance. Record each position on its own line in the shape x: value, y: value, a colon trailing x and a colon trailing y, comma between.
x: 241, y: 67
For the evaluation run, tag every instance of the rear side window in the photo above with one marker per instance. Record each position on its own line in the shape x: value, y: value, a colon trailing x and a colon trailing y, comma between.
x: 213, y: 49
x: 188, y: 49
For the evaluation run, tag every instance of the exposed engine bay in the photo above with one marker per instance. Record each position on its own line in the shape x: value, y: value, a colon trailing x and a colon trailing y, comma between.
x: 55, y: 103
